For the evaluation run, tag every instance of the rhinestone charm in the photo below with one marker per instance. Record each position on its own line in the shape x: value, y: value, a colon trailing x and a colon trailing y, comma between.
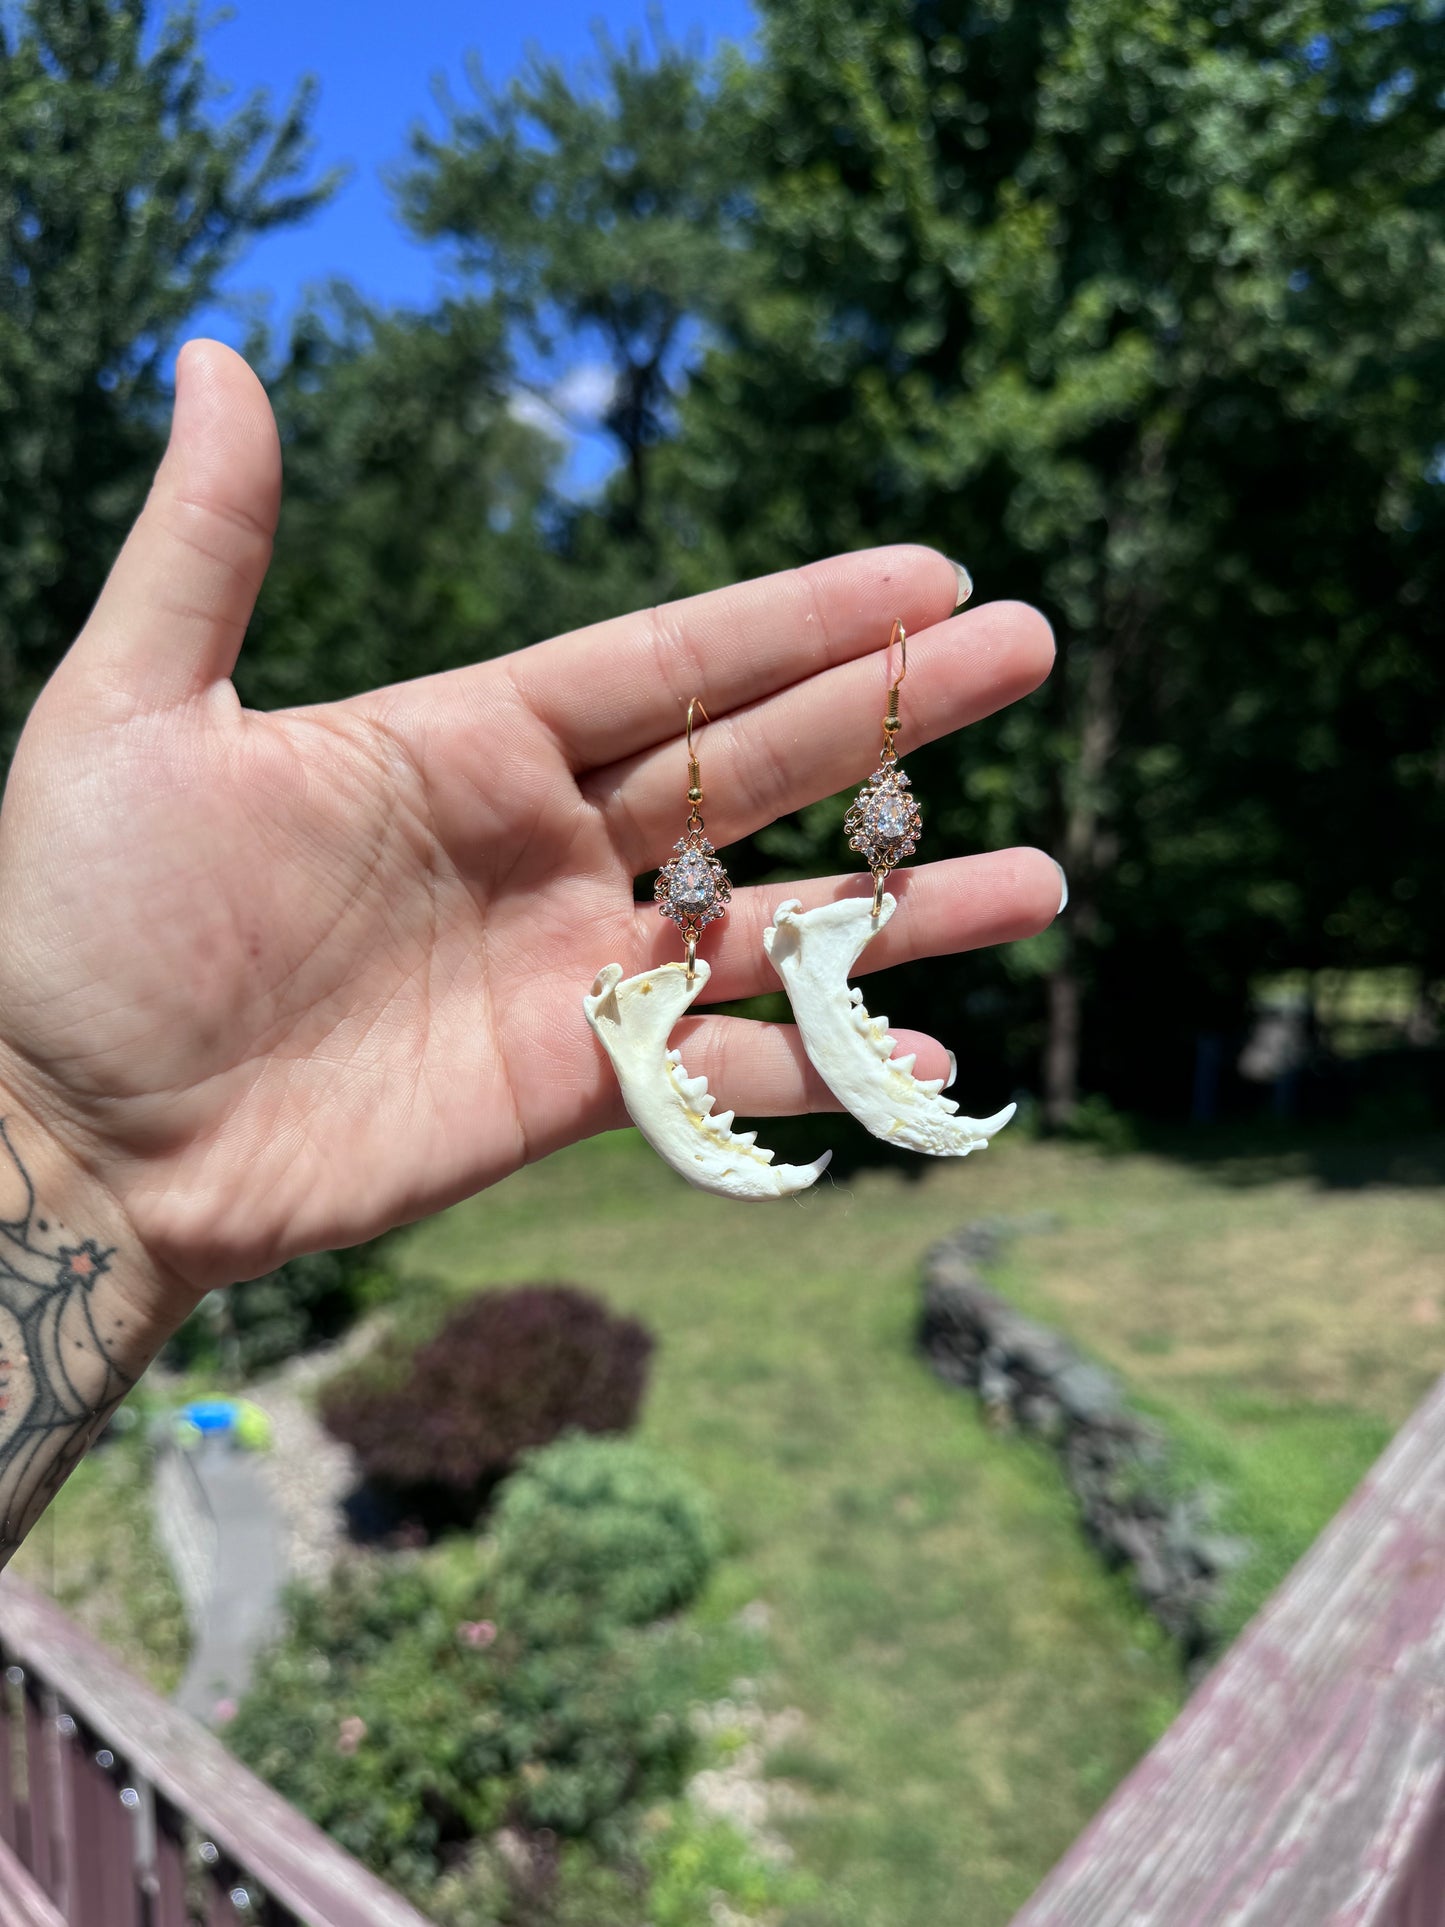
x: 692, y: 888
x: 884, y: 823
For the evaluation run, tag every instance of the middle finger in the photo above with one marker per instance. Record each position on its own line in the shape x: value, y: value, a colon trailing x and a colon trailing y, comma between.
x: 812, y: 739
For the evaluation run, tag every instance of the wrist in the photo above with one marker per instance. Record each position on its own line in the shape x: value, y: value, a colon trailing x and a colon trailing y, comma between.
x: 61, y: 1215
x: 83, y: 1310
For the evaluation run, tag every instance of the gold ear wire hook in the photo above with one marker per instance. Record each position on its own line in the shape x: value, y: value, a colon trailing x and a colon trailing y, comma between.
x: 694, y: 774
x: 899, y: 635
x: 694, y: 817
x: 890, y: 721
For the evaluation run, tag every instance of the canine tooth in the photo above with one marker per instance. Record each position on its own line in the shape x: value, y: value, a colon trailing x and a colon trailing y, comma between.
x: 632, y: 1019
x: 814, y: 953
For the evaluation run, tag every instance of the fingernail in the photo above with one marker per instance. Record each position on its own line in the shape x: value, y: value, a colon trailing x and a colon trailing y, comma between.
x: 1063, y: 886
x: 952, y: 1071
x: 965, y: 582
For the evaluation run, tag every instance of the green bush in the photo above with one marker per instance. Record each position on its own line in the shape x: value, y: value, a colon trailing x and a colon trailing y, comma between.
x: 417, y: 1704
x: 250, y: 1327
x: 681, y: 1870
x: 592, y: 1533
x: 434, y: 1742
x: 435, y: 1426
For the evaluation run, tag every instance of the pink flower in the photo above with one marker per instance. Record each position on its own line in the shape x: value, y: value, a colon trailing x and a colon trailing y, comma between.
x: 476, y: 1632
x: 224, y: 1712
x: 350, y: 1734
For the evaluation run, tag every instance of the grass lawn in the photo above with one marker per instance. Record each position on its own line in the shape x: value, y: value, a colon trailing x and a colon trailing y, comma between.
x: 974, y: 1685
x: 96, y: 1554
x: 1280, y: 1311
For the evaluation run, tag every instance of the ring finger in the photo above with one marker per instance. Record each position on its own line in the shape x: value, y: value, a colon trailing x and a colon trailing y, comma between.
x: 963, y: 903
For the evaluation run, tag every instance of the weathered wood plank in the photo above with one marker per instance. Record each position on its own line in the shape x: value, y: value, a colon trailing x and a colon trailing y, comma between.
x: 300, y: 1868
x: 39, y: 1848
x: 98, y: 1839
x: 1304, y: 1783
x: 168, y: 1900
x: 9, y: 1825
x: 22, y: 1904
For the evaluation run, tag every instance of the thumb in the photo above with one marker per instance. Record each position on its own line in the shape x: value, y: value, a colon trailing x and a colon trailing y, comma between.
x: 171, y: 616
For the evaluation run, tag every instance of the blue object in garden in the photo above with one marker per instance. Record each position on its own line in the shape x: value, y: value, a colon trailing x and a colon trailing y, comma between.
x: 236, y: 1421
x: 211, y: 1415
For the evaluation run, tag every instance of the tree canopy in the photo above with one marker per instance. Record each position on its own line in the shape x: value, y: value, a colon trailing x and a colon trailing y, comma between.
x: 1130, y: 305
x: 124, y: 195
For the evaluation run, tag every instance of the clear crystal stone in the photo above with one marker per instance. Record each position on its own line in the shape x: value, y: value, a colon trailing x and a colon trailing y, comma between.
x: 691, y: 884
x: 890, y: 816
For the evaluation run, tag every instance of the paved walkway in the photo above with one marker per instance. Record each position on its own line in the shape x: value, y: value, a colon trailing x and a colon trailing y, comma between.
x: 224, y: 1540
x: 236, y: 1526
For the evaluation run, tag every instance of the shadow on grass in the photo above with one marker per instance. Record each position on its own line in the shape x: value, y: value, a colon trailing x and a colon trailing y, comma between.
x: 1336, y: 1157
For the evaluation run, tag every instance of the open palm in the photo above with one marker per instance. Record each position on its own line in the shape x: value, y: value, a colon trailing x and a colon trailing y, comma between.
x: 286, y: 980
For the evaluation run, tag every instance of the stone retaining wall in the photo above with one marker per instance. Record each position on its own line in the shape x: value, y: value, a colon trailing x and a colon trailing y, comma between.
x: 1115, y: 1461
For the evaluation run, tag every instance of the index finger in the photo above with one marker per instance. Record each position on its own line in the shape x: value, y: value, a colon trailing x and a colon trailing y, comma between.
x: 617, y: 687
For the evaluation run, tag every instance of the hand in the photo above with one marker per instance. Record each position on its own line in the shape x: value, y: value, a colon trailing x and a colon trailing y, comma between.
x: 283, y: 981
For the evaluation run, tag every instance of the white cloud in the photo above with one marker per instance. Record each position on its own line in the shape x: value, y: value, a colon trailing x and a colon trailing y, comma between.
x: 525, y: 405
x: 585, y: 392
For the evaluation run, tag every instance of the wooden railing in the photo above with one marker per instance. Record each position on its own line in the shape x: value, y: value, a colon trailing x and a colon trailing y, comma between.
x: 1304, y: 1783
x: 1302, y: 1786
x: 116, y: 1810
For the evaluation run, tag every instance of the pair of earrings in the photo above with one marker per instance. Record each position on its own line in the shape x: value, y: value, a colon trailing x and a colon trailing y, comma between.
x: 813, y: 951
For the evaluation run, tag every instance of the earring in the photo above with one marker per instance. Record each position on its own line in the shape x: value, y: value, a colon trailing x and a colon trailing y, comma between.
x: 633, y: 1017
x: 813, y: 951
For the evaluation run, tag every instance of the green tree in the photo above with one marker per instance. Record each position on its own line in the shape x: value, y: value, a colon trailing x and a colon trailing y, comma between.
x: 600, y: 214
x: 124, y: 197
x: 1135, y: 306
x: 412, y: 534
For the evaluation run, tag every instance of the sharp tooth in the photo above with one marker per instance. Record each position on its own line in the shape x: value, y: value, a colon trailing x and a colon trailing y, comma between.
x: 705, y: 1102
x: 885, y: 1046
x: 722, y: 1121
x: 745, y: 1137
x: 855, y: 995
x: 861, y: 1020
x: 694, y: 1086
x: 674, y: 1057
x: 765, y: 1155
x: 931, y: 1086
x: 947, y: 1104
x: 880, y: 1024
x: 905, y: 1063
x: 952, y: 1071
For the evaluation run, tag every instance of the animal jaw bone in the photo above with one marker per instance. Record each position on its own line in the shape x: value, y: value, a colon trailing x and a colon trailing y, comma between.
x: 813, y: 952
x: 633, y: 1017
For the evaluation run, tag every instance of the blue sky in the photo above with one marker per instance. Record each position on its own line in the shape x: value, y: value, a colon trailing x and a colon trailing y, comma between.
x: 376, y: 61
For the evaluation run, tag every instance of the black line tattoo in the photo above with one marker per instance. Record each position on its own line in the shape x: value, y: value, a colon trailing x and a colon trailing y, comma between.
x: 60, y: 1342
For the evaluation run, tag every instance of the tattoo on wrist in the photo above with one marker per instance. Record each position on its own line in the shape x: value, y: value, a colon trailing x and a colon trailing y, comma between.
x: 64, y: 1333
